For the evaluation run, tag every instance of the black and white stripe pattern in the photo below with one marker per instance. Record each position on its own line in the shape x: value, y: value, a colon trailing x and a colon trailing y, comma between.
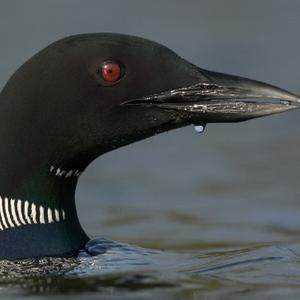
x: 64, y: 173
x: 15, y: 213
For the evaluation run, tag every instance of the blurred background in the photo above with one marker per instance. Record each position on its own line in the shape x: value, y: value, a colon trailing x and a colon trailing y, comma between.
x: 235, y: 184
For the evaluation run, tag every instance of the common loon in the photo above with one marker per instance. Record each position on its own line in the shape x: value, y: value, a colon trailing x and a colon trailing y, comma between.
x: 88, y: 94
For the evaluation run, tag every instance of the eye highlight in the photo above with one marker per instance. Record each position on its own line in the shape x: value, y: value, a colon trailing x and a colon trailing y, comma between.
x: 110, y: 71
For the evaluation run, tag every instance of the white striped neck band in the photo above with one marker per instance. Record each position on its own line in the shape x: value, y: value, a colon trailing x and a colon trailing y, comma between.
x: 60, y: 172
x: 16, y: 212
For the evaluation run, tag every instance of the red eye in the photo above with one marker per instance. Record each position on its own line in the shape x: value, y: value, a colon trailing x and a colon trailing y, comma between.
x: 111, y: 71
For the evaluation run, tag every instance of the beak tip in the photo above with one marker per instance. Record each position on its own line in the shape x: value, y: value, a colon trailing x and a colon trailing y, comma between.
x: 293, y: 99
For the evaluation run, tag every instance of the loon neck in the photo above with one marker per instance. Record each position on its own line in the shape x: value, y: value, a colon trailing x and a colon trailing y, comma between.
x: 38, y: 214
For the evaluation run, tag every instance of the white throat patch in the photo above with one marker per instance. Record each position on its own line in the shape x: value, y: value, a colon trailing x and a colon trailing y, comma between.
x: 64, y: 173
x: 15, y: 213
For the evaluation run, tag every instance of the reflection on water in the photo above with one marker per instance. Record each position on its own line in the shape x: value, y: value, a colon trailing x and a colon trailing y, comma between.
x: 123, y: 271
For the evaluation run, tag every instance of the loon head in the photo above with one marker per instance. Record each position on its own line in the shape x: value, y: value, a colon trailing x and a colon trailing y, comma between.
x: 86, y: 95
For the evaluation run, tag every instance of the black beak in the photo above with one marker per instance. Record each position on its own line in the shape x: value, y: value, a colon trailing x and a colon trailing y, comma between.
x: 222, y: 98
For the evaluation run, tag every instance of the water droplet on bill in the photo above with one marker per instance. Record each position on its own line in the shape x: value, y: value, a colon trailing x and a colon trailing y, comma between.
x: 199, y: 128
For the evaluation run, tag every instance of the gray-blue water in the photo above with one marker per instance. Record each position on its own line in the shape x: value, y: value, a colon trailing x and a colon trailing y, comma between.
x: 213, y: 215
